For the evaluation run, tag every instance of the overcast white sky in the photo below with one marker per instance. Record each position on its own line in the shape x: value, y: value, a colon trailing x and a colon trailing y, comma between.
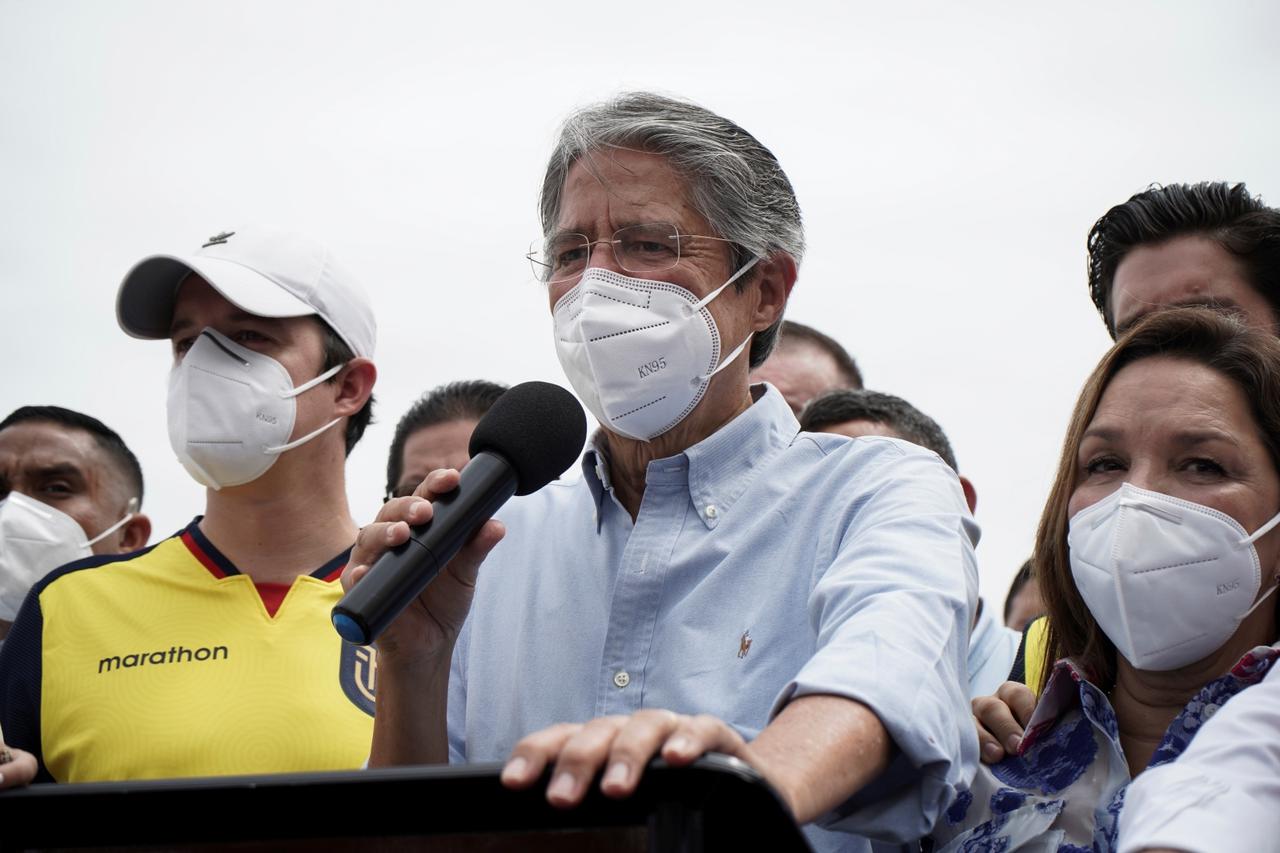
x: 949, y: 159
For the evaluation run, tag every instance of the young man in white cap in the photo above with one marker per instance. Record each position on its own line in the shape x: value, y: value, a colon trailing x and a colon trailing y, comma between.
x: 211, y: 652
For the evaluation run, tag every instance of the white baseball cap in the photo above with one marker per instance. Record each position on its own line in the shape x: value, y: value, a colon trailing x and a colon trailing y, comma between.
x: 261, y: 271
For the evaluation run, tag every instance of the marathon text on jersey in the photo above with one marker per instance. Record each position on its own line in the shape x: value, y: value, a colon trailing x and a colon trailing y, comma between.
x: 174, y: 654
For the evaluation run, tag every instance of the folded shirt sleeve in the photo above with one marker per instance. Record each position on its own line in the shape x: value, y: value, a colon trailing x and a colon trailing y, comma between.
x: 1223, y: 793
x: 892, y: 614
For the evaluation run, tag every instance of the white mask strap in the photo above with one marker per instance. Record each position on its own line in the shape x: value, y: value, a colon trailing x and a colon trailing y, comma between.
x: 129, y: 513
x: 1249, y: 540
x: 1261, y: 531
x: 299, y: 441
x: 307, y: 386
x: 713, y: 294
x: 702, y: 303
x: 725, y: 362
x: 1265, y: 596
x: 204, y: 477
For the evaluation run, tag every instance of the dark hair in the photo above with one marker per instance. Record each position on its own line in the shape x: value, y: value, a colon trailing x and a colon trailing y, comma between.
x: 733, y: 181
x: 1225, y: 213
x: 110, y: 441
x: 462, y: 400
x: 337, y: 352
x: 836, y: 407
x: 1019, y: 581
x: 1248, y: 358
x: 793, y: 332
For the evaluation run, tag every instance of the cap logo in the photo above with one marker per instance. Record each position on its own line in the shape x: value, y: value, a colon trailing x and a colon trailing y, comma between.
x: 219, y: 239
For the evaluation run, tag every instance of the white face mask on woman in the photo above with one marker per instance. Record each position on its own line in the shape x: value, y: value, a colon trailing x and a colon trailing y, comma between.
x: 35, y: 539
x: 232, y: 410
x: 639, y: 353
x: 1168, y: 581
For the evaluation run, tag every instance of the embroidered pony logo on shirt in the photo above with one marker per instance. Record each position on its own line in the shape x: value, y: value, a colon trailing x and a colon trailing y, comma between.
x: 744, y: 644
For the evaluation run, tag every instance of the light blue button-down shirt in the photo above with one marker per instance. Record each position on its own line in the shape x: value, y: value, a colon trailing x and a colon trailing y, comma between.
x: 992, y: 650
x: 765, y: 564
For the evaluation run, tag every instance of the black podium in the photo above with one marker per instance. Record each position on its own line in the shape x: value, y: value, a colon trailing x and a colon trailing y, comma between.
x: 718, y: 803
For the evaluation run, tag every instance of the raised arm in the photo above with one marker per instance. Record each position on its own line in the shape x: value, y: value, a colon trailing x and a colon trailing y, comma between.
x: 414, y: 652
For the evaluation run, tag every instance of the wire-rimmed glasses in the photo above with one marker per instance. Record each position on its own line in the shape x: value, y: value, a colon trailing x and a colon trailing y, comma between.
x: 645, y: 248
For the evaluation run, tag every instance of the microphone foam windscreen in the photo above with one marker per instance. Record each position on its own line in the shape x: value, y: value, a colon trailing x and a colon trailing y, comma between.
x: 536, y: 426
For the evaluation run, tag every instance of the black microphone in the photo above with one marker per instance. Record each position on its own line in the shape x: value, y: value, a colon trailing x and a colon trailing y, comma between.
x: 529, y: 436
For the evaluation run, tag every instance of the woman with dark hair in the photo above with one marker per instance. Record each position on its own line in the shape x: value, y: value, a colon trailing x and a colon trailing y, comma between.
x: 1157, y: 563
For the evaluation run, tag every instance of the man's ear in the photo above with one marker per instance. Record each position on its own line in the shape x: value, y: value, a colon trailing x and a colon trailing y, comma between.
x: 354, y: 386
x: 773, y: 287
x: 970, y: 493
x: 135, y: 534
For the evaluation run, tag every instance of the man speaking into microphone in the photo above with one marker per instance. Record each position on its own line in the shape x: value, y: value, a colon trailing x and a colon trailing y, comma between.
x: 715, y: 580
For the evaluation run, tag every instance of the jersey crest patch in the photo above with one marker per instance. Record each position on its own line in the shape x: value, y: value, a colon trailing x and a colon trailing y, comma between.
x: 358, y: 675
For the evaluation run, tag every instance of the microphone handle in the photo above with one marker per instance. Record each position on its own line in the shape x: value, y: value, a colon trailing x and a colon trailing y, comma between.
x: 402, y: 573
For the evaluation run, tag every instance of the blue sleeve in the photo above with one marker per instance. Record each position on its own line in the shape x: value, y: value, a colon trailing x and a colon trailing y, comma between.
x: 457, y: 713
x: 20, y: 681
x: 892, y: 614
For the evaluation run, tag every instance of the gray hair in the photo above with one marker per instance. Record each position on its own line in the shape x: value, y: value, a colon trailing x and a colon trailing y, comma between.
x: 734, y: 182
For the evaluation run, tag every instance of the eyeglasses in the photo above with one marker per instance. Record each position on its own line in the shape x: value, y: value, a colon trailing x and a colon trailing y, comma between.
x: 651, y: 247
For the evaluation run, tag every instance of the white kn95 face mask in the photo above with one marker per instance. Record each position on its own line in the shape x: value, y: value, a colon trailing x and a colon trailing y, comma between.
x: 639, y: 353
x: 35, y: 539
x: 1167, y: 580
x: 232, y: 410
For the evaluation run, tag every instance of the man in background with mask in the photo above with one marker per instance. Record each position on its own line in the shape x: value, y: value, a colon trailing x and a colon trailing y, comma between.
x: 211, y: 652
x: 69, y: 488
x: 714, y: 580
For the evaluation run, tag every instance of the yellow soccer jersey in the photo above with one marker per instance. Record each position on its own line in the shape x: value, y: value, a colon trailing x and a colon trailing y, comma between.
x: 169, y: 662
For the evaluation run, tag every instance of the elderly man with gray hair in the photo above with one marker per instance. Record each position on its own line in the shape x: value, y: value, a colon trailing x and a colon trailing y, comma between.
x: 715, y: 580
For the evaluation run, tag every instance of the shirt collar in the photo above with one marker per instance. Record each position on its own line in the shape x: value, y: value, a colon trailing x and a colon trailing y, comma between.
x: 1069, y: 687
x: 220, y: 566
x: 722, y: 465
x: 716, y: 470
x: 595, y: 470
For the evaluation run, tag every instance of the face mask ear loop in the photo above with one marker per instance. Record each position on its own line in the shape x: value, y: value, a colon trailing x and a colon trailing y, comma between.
x: 203, y: 477
x: 300, y: 441
x: 1261, y: 531
x: 725, y: 362
x: 129, y: 513
x: 702, y: 303
x: 307, y: 386
x: 1249, y: 540
x: 1257, y: 603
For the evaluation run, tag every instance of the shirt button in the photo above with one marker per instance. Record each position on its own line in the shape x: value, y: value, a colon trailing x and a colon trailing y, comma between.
x: 711, y: 511
x: 621, y: 678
